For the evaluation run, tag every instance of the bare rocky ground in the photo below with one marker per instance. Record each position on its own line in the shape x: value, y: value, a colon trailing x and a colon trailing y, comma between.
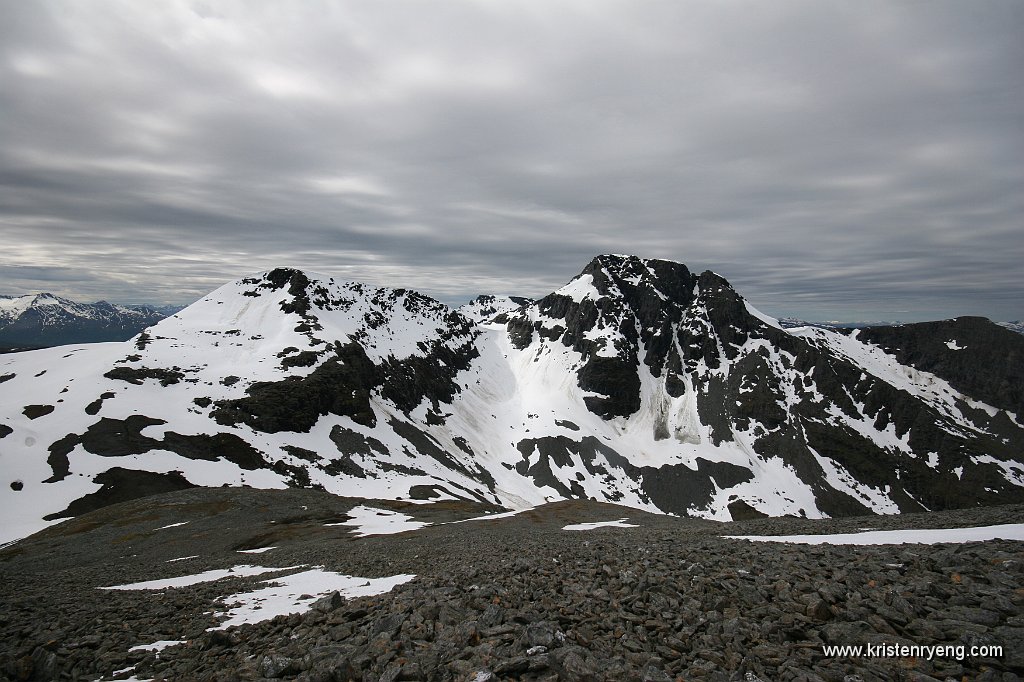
x: 511, y: 598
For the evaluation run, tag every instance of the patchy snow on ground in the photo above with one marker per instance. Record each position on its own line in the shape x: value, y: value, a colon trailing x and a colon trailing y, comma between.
x: 172, y: 525
x: 296, y: 592
x: 258, y: 550
x: 930, y: 536
x: 156, y: 646
x: 621, y: 523
x: 182, y: 558
x: 204, y: 577
x: 491, y: 517
x: 373, y: 521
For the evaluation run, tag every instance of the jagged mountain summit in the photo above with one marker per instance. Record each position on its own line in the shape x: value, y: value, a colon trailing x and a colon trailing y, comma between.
x: 40, y: 320
x: 638, y: 382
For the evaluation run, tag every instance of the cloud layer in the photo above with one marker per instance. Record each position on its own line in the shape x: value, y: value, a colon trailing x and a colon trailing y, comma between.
x: 833, y: 160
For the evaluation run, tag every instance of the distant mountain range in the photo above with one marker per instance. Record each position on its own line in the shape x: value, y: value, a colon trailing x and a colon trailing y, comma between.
x: 43, y: 320
x: 639, y: 382
x: 1015, y: 326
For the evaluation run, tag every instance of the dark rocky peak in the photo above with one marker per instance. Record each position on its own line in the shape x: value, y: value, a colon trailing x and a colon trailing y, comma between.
x: 278, y: 278
x: 294, y: 281
x: 727, y: 313
x: 641, y: 281
x: 615, y: 290
x: 627, y: 301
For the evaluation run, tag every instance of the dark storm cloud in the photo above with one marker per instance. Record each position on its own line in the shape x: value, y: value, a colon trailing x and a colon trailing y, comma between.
x: 831, y: 159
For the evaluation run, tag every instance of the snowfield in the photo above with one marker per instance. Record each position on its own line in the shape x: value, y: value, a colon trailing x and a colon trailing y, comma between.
x: 929, y: 536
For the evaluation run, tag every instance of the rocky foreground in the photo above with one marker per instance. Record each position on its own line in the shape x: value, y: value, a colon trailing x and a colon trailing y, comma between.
x: 509, y: 598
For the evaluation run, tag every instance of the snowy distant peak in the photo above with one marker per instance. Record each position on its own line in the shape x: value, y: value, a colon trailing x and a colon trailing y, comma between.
x: 486, y: 307
x: 13, y: 307
x: 48, y: 320
x: 1014, y: 326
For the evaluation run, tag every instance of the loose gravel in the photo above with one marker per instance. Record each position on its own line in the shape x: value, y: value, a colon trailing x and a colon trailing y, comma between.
x: 514, y: 598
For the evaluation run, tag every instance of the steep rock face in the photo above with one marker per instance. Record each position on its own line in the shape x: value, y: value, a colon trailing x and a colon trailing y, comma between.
x: 638, y: 382
x: 46, y: 320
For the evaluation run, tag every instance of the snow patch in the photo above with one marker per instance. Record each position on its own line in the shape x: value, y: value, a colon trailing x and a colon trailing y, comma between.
x: 930, y: 536
x: 491, y: 517
x: 580, y: 288
x: 373, y: 521
x: 295, y: 593
x: 197, y: 578
x: 621, y: 523
x: 768, y: 320
x: 156, y: 646
x: 172, y: 525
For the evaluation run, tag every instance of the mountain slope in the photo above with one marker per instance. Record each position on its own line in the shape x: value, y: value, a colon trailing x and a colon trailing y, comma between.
x: 638, y: 382
x: 38, y: 320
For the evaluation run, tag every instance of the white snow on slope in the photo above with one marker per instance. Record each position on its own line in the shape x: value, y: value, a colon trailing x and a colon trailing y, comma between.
x: 204, y: 577
x: 227, y: 334
x: 580, y: 288
x: 156, y: 646
x: 874, y: 360
x: 621, y: 523
x: 767, y: 319
x: 295, y: 593
x: 372, y: 521
x: 930, y: 536
x: 491, y: 517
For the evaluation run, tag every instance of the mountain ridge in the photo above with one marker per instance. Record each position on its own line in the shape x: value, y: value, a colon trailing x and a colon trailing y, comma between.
x: 638, y: 382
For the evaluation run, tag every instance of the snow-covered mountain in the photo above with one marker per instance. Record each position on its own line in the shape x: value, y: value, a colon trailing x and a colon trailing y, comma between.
x: 483, y: 308
x: 638, y: 382
x: 46, y: 320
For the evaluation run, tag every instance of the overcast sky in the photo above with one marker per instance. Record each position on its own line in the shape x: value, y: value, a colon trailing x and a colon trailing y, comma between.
x: 833, y: 160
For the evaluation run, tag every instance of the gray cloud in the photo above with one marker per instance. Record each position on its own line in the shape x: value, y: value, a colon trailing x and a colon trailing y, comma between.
x: 832, y: 160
